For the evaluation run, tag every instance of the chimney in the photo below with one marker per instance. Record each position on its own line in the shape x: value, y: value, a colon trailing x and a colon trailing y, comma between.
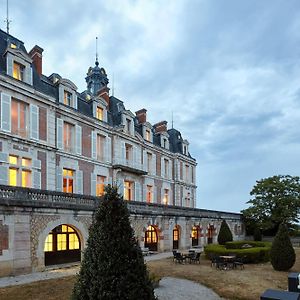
x: 104, y: 93
x: 36, y: 55
x: 160, y: 126
x: 141, y: 115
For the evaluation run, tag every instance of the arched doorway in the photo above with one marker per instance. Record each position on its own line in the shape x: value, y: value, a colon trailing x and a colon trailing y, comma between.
x: 151, y: 238
x: 210, y: 233
x: 195, y: 236
x: 62, y: 246
x: 176, y: 237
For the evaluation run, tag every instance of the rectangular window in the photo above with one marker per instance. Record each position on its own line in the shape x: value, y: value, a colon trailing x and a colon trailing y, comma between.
x: 13, y: 160
x: 69, y: 136
x: 149, y: 195
x: 68, y: 181
x: 149, y: 162
x: 128, y: 152
x: 166, y: 169
x: 100, y: 185
x: 19, y: 117
x: 73, y: 241
x: 192, y: 171
x: 186, y: 173
x: 181, y: 171
x: 148, y: 135
x: 100, y: 147
x: 61, y: 241
x: 18, y: 71
x: 99, y: 113
x: 128, y: 190
x: 13, y: 176
x: 49, y: 243
x: 26, y: 178
x: 19, y: 175
x: 67, y: 98
x: 166, y: 197
x: 128, y: 125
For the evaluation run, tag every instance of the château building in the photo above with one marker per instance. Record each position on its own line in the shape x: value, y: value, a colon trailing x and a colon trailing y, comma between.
x: 59, y: 147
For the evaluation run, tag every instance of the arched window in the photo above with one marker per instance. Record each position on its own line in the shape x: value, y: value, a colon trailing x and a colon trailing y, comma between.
x: 62, y: 245
x: 195, y: 236
x: 151, y: 238
x: 176, y: 237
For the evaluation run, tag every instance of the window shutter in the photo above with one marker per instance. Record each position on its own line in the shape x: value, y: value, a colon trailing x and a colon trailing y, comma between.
x: 3, y: 174
x: 79, y: 182
x: 154, y: 194
x: 28, y: 75
x: 121, y: 188
x: 59, y: 172
x: 153, y: 164
x: 34, y: 122
x: 78, y: 139
x: 93, y: 184
x: 3, y: 157
x: 59, y: 133
x: 75, y: 100
x: 61, y: 94
x: 108, y: 149
x: 9, y: 65
x: 162, y: 167
x: 36, y: 164
x: 5, y: 112
x: 137, y: 190
x: 145, y: 166
x: 123, y: 158
x: 144, y: 193
x: 170, y: 169
x: 178, y: 170
x: 94, y: 139
x: 36, y: 179
x: 135, y: 156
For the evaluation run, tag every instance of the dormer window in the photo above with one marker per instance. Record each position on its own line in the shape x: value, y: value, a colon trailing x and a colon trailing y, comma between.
x: 67, y: 98
x: 128, y: 125
x: 18, y: 71
x: 13, y: 46
x: 99, y: 113
x: 184, y: 150
x: 148, y: 135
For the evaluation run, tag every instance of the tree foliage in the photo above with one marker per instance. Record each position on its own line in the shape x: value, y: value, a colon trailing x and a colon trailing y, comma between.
x: 225, y: 234
x: 275, y: 200
x: 282, y: 253
x: 257, y: 234
x: 113, y: 267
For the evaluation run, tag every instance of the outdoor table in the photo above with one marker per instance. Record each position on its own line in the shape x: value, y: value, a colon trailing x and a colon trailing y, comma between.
x: 228, y: 260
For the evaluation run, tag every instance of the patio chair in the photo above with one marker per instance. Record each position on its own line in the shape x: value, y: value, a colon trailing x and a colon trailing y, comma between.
x: 174, y: 255
x: 239, y: 262
x: 195, y: 258
x: 180, y: 258
x: 220, y: 263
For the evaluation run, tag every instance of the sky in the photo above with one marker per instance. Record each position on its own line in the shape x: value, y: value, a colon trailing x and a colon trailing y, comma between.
x: 228, y: 70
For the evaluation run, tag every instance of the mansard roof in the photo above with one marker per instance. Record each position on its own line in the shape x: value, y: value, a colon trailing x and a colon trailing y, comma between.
x: 49, y: 86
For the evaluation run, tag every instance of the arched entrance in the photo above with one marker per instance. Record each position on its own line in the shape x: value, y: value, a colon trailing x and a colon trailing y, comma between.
x: 195, y: 236
x: 210, y: 233
x: 62, y: 246
x: 151, y: 238
x: 176, y: 237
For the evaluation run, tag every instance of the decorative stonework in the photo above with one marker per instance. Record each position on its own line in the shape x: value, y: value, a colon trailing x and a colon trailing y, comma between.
x: 3, y: 237
x: 87, y: 221
x: 37, y: 225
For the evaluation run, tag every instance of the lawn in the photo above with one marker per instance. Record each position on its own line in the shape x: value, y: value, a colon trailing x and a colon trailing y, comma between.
x: 249, y: 283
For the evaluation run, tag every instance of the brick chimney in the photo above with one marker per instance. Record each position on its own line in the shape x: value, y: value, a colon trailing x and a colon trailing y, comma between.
x: 37, y: 57
x: 160, y: 126
x: 141, y: 115
x: 104, y: 93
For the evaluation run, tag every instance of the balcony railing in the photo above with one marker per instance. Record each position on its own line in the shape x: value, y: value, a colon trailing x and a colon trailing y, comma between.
x: 129, y: 165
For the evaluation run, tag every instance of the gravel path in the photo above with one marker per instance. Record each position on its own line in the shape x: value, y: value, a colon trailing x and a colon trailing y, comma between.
x: 181, y: 289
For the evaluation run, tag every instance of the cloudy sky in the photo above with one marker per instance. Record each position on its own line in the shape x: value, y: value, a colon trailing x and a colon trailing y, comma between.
x: 229, y: 71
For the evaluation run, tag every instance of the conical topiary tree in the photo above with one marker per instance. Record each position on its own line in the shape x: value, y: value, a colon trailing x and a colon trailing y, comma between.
x: 225, y: 234
x: 282, y: 253
x: 113, y: 266
x: 257, y: 234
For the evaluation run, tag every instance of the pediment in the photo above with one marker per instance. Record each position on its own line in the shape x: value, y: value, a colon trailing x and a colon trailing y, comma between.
x: 19, y: 54
x: 68, y: 83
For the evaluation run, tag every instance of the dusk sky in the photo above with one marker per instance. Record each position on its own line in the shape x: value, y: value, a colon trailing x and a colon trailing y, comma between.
x: 229, y: 71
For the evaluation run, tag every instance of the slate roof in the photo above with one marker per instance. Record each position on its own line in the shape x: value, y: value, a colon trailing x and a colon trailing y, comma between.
x: 45, y: 85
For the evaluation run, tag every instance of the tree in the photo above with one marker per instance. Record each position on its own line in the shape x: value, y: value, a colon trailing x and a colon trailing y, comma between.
x: 225, y: 234
x: 113, y: 266
x: 257, y: 234
x: 282, y: 253
x: 276, y: 200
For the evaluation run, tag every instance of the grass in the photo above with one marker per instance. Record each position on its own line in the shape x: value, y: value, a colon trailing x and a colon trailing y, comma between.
x: 247, y: 284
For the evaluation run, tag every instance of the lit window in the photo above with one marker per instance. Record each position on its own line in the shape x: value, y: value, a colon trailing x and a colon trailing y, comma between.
x: 68, y: 181
x: 67, y: 98
x: 61, y: 241
x: 148, y: 135
x: 49, y: 243
x: 26, y: 162
x: 13, y: 160
x: 68, y: 136
x: 13, y: 176
x: 195, y: 232
x: 19, y: 176
x: 149, y: 161
x: 18, y: 71
x: 128, y: 190
x: 13, y: 46
x: 99, y: 113
x: 73, y: 241
x: 100, y: 185
x: 26, y: 178
x: 166, y: 197
x: 175, y: 234
x: 149, y: 196
x: 19, y: 117
x: 100, y: 146
x: 128, y: 152
x: 166, y: 165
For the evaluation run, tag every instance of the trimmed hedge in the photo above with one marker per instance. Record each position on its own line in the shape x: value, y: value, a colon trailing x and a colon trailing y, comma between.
x: 240, y: 244
x: 249, y: 255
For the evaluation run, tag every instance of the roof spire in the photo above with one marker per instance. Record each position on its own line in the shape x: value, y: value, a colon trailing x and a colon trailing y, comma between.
x: 7, y: 18
x: 113, y: 85
x: 96, y: 63
x: 172, y: 120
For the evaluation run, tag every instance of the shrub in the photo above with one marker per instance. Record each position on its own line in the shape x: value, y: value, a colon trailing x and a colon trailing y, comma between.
x: 155, y: 279
x: 249, y: 255
x: 240, y: 244
x: 225, y: 234
x: 113, y: 265
x: 282, y: 252
x: 257, y: 234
